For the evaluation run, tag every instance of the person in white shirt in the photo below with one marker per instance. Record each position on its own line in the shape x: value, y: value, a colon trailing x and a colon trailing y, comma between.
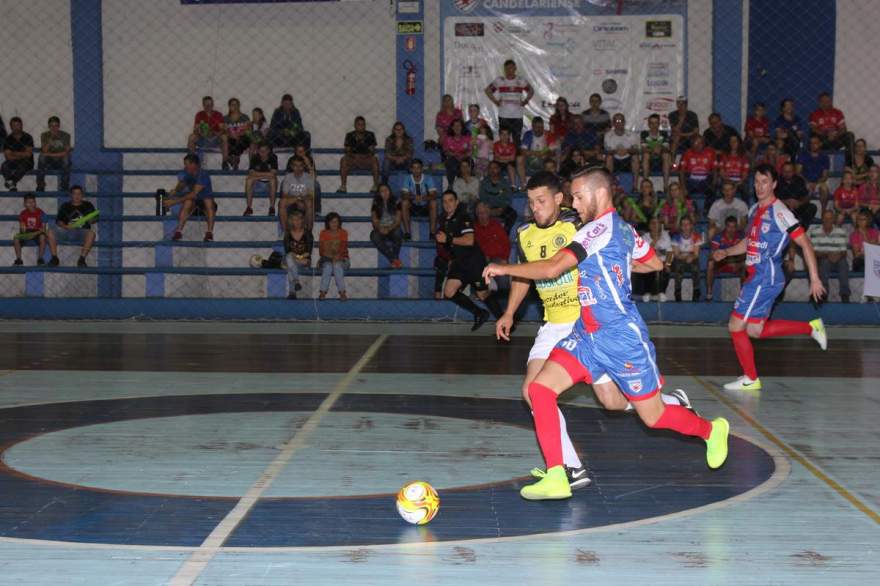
x: 830, y: 243
x: 622, y: 149
x: 729, y: 205
x: 533, y: 151
x: 654, y: 284
x: 510, y: 94
x: 686, y: 257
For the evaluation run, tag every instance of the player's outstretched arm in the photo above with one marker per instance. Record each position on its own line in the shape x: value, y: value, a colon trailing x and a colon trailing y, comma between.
x: 519, y: 288
x: 817, y: 290
x: 735, y: 250
x: 551, y: 268
x: 651, y: 265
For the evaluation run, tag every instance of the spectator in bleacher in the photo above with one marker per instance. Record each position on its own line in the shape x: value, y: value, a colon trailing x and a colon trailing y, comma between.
x: 483, y: 144
x: 208, y: 131
x: 549, y: 165
x: 298, y: 243
x: 686, y: 257
x: 757, y: 130
x: 565, y: 188
x: 773, y: 157
x: 456, y: 148
x: 869, y: 193
x: 238, y: 128
x: 830, y: 243
x: 829, y: 124
x: 859, y: 163
x: 536, y: 146
x: 655, y: 154
x: 398, y: 151
x: 490, y: 235
x: 259, y: 132
x: 792, y: 190
x: 263, y: 169
x: 298, y: 190
x: 18, y: 150
x: 2, y: 130
x: 580, y: 138
x: 418, y: 197
x: 496, y: 192
x: 69, y: 227
x: 448, y: 114
x: 333, y: 248
x: 596, y: 119
x: 54, y: 155
x: 791, y: 122
x: 561, y: 120
x: 386, y: 218
x: 467, y: 185
x: 303, y: 153
x: 729, y: 206
x: 474, y: 121
x: 504, y: 154
x: 786, y: 142
x: 456, y: 235
x: 677, y: 206
x: 862, y: 234
x: 572, y: 163
x: 622, y: 149
x: 653, y: 285
x: 733, y: 166
x: 286, y: 129
x: 683, y: 126
x: 360, y: 154
x: 510, y: 93
x: 730, y: 235
x: 846, y: 199
x: 717, y: 135
x: 193, y: 192
x: 639, y: 212
x: 813, y: 166
x: 697, y: 169
x: 32, y: 227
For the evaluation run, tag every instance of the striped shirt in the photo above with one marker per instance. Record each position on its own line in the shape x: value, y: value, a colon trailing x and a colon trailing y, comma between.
x: 835, y: 241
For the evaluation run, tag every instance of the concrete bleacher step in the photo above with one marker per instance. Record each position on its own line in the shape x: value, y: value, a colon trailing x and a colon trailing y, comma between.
x: 173, y: 160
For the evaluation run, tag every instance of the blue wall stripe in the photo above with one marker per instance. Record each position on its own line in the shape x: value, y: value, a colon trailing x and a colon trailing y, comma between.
x: 411, y: 109
x: 727, y: 23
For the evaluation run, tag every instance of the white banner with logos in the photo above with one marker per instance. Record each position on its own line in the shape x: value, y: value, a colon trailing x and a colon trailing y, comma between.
x: 872, y: 270
x: 635, y: 62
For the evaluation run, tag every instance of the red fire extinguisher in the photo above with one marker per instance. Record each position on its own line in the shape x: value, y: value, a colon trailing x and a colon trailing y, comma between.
x: 410, y: 77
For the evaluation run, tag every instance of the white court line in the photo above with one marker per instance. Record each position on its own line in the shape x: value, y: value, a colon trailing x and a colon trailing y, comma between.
x: 198, y: 561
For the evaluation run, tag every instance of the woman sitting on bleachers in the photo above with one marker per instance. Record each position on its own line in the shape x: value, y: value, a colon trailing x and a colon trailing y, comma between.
x: 386, y: 235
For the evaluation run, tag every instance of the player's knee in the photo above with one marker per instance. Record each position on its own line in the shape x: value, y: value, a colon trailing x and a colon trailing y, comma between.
x: 754, y: 332
x: 525, y: 393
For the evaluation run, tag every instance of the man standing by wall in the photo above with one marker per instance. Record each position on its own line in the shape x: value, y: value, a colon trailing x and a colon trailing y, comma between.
x: 506, y: 92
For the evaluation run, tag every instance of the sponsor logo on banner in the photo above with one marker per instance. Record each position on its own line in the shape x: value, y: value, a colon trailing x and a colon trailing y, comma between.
x: 657, y: 83
x: 612, y: 103
x: 658, y: 70
x: 466, y: 5
x: 469, y: 29
x: 609, y: 86
x: 611, y: 28
x: 656, y: 46
x: 510, y: 28
x: 469, y: 71
x: 562, y: 72
x: 551, y: 29
x: 660, y: 104
x: 568, y: 45
x: 658, y: 29
x: 605, y: 45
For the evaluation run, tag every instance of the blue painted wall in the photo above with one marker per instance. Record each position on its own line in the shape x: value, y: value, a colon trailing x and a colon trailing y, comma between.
x: 727, y: 41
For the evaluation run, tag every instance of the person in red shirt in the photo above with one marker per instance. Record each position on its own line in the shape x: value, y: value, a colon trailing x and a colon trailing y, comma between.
x: 829, y: 124
x: 209, y: 130
x: 757, y: 130
x: 696, y: 170
x: 561, y: 120
x: 504, y: 153
x: 445, y: 117
x: 733, y: 166
x: 491, y: 236
x: 732, y: 264
x: 846, y: 199
x: 31, y: 227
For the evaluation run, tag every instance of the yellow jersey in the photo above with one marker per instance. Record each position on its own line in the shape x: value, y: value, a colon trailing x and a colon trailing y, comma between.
x: 534, y: 243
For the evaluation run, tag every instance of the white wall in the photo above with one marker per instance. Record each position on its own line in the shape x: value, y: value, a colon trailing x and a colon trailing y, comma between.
x: 857, y: 67
x: 36, y: 63
x: 160, y: 58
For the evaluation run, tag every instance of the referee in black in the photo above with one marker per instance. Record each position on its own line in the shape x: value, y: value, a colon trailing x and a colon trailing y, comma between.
x: 456, y: 234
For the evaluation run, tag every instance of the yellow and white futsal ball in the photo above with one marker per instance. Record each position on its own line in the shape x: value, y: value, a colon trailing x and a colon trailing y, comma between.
x: 418, y: 502
x: 256, y: 261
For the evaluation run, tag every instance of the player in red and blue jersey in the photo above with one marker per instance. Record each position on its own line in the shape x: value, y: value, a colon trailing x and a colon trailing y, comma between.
x: 770, y: 228
x: 609, y: 338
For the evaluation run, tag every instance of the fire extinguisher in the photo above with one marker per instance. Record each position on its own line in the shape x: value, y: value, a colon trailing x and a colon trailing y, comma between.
x: 410, y: 68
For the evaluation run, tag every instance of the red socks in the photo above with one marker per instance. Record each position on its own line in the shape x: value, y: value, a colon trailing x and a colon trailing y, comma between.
x: 783, y: 327
x: 683, y: 421
x: 744, y: 353
x: 545, y: 412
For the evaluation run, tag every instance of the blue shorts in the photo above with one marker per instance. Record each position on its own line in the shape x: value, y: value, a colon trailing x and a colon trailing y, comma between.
x: 626, y: 355
x: 755, y: 301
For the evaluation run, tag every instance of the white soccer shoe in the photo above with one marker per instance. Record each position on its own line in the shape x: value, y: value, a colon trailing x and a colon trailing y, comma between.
x: 744, y: 383
x: 819, y: 334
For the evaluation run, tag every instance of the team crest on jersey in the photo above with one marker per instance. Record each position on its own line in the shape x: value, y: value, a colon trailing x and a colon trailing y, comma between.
x: 765, y: 228
x: 559, y: 241
x: 635, y: 386
x: 585, y: 296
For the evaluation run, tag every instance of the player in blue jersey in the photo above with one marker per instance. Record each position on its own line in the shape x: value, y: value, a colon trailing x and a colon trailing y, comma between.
x: 610, y: 337
x: 770, y: 229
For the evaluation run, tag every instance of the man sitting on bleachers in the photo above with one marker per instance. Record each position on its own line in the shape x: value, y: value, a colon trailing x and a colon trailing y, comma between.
x: 792, y: 190
x: 209, y: 130
x: 69, y: 227
x: 360, y: 154
x: 813, y: 166
x: 195, y: 194
x: 18, y: 149
x: 263, y: 169
x: 829, y: 242
x: 297, y: 191
x: 829, y: 124
x: 54, y: 155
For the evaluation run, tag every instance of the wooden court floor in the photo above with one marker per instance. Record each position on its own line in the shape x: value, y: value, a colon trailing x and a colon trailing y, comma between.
x: 188, y: 453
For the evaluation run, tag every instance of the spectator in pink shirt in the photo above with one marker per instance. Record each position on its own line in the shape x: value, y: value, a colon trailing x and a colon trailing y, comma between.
x: 869, y: 193
x: 863, y: 234
x: 846, y: 199
x: 448, y: 112
x: 456, y: 148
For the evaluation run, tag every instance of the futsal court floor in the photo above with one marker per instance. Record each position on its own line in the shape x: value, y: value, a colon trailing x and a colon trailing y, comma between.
x: 240, y: 454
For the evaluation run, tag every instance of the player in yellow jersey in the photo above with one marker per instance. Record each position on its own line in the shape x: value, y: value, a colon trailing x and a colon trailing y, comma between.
x: 551, y: 229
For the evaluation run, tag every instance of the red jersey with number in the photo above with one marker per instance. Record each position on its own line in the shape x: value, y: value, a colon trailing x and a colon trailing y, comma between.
x: 827, y: 120
x: 32, y: 221
x: 698, y: 164
x: 734, y: 167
